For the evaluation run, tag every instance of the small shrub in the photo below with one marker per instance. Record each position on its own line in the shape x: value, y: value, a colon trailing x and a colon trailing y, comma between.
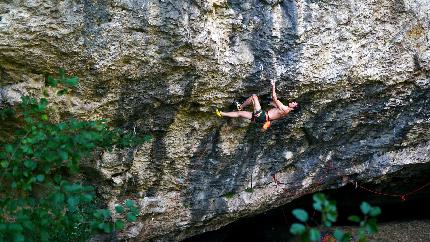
x: 329, y: 215
x: 42, y: 197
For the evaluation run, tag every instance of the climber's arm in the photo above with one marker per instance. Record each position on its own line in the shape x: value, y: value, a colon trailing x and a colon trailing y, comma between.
x: 278, y: 104
x: 275, y: 102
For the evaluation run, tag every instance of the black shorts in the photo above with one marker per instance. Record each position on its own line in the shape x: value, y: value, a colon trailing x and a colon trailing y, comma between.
x: 259, y: 116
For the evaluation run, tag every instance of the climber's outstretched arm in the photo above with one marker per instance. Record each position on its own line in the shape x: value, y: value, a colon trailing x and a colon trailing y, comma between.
x: 276, y: 102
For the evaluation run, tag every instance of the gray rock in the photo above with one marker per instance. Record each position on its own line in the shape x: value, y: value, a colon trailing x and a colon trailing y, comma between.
x: 359, y: 69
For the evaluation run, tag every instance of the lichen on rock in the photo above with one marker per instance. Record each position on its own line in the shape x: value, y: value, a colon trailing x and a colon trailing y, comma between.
x: 360, y: 70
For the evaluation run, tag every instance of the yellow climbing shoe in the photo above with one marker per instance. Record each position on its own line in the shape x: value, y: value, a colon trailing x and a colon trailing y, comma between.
x: 218, y: 113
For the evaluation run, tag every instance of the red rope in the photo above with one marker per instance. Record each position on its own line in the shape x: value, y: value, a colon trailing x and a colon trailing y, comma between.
x: 403, y: 197
x: 329, y: 167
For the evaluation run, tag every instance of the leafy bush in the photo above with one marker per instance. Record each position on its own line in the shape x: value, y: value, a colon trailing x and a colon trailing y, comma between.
x: 42, y: 197
x: 329, y: 215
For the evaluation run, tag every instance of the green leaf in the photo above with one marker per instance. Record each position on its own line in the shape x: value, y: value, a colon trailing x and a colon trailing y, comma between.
x: 314, y: 234
x: 354, y: 218
x: 63, y: 155
x: 40, y: 178
x: 374, y: 211
x: 129, y: 203
x: 107, y: 228
x: 119, y: 225
x: 8, y: 148
x: 317, y: 206
x: 15, y: 227
x: 319, y: 197
x: 4, y: 163
x: 52, y: 82
x: 105, y: 213
x: 300, y: 214
x: 18, y: 237
x: 73, y: 81
x: 44, y: 235
x: 131, y: 217
x: 332, y: 216
x: 297, y: 229
x: 30, y: 164
x: 365, y: 208
x: 87, y: 197
x: 72, y: 202
x: 119, y: 209
x: 371, y: 226
x: 44, y: 117
x: 338, y: 234
x: 62, y: 92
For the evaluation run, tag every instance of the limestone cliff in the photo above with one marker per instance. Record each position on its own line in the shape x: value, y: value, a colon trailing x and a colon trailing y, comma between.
x: 359, y: 68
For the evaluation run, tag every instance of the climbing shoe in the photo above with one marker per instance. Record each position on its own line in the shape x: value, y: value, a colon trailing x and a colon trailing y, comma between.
x: 218, y: 113
x: 238, y: 106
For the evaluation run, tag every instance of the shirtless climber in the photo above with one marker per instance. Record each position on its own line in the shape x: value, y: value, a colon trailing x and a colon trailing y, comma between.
x: 260, y: 116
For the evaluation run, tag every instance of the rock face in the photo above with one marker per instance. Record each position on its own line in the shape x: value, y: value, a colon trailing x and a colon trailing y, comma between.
x: 359, y: 68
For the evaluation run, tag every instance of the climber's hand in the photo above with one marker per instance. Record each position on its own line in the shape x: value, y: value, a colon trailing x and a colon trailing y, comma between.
x: 292, y: 105
x: 273, y: 82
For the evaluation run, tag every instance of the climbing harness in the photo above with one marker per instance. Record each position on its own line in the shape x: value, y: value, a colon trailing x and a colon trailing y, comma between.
x: 256, y: 115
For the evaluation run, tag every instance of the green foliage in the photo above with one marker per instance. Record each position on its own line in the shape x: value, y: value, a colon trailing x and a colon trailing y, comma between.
x: 249, y: 189
x: 300, y: 214
x: 329, y: 215
x: 229, y: 195
x: 41, y: 195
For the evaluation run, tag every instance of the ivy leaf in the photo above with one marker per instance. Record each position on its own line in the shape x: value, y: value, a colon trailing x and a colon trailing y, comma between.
x: 72, y: 202
x: 30, y: 164
x: 319, y: 197
x: 107, y: 228
x: 4, y: 163
x: 62, y: 92
x: 52, y: 82
x: 119, y: 209
x: 375, y: 211
x: 18, y: 237
x: 40, y: 178
x: 332, y: 216
x: 63, y: 155
x: 119, y: 224
x: 365, y: 208
x: 131, y: 217
x: 87, y: 197
x: 8, y: 148
x: 129, y: 203
x: 105, y: 213
x: 314, y: 234
x: 300, y: 214
x: 297, y: 229
x: 73, y: 81
x: 354, y: 218
x: 371, y: 226
x: 339, y: 234
x: 317, y: 206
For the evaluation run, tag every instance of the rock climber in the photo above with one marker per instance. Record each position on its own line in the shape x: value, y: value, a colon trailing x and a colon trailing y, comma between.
x: 259, y: 116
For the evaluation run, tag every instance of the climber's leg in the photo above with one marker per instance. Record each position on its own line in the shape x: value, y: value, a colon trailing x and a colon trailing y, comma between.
x: 237, y: 114
x: 254, y: 100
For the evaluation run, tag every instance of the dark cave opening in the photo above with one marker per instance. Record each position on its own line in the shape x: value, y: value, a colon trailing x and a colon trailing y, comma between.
x: 273, y: 225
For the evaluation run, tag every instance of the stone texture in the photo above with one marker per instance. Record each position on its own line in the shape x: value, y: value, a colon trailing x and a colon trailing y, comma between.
x: 359, y: 68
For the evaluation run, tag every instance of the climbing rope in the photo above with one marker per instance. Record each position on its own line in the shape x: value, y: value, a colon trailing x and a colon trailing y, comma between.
x: 329, y: 168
